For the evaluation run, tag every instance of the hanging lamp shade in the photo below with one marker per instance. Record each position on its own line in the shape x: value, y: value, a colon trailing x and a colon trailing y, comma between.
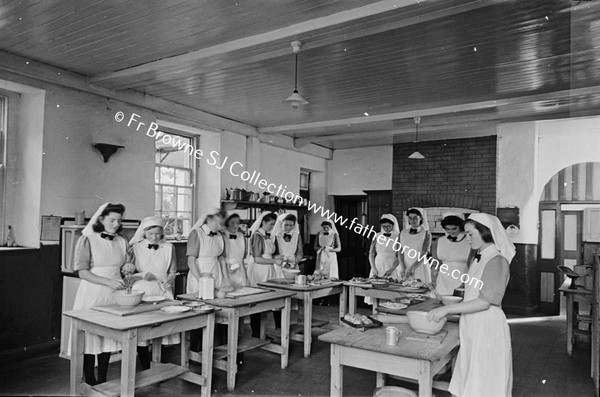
x: 295, y: 100
x: 416, y: 155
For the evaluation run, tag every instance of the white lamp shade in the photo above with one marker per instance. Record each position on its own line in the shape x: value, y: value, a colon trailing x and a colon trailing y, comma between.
x: 296, y: 100
x: 416, y: 156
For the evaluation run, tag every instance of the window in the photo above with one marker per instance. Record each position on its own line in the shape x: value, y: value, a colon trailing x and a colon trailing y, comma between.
x: 174, y: 185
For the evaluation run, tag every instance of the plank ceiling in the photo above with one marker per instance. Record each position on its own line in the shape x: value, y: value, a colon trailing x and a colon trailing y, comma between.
x: 367, y: 67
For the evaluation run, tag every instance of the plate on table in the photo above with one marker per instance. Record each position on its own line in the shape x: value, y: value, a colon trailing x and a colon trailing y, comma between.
x: 394, y: 305
x: 198, y: 307
x: 175, y: 309
x: 153, y: 298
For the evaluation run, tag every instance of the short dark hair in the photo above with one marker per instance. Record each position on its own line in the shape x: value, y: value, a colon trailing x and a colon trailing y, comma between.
x: 326, y: 223
x: 230, y: 217
x: 290, y: 217
x: 453, y: 221
x: 386, y: 220
x: 415, y: 212
x: 484, y: 231
x: 117, y: 208
x: 268, y: 218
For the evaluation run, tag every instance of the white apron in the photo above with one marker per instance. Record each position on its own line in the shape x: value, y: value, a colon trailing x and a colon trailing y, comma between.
x: 384, y: 260
x: 454, y: 255
x: 260, y: 273
x: 414, y: 241
x: 107, y: 259
x: 211, y: 247
x: 235, y: 250
x: 158, y: 263
x: 484, y: 364
x: 287, y: 250
x: 327, y: 261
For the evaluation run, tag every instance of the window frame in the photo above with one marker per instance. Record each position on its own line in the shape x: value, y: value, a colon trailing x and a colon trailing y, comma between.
x: 193, y: 169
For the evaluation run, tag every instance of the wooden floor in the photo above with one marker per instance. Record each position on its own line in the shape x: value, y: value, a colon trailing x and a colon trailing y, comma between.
x: 541, y: 368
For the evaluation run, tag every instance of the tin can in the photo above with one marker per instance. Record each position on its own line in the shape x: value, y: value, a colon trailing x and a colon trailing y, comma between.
x: 392, y: 336
x: 301, y: 279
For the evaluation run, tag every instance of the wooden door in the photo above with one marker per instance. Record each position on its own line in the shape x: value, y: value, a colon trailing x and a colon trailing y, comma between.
x: 571, y: 227
x: 379, y: 202
x: 549, y: 278
x: 352, y: 259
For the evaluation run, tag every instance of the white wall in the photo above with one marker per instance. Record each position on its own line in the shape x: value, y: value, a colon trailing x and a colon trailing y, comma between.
x: 348, y: 176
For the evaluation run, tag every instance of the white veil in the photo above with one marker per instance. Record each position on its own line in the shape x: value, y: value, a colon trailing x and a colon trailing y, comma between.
x: 258, y: 223
x: 88, y: 229
x: 392, y: 218
x: 204, y: 215
x: 501, y: 240
x: 146, y: 223
x: 332, y: 224
x: 278, y: 228
x: 424, y: 225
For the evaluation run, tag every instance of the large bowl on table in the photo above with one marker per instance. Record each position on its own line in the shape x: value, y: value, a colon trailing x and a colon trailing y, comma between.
x: 128, y: 300
x: 380, y: 284
x: 418, y: 322
x: 290, y: 274
x: 451, y: 299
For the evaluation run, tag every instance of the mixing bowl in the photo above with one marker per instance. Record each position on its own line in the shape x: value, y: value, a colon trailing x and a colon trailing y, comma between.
x: 418, y: 322
x: 128, y: 300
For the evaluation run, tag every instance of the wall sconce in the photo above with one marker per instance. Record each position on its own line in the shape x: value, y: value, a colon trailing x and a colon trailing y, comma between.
x: 107, y: 149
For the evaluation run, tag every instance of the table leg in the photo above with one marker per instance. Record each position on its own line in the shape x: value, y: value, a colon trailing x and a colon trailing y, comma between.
x: 352, y: 300
x: 375, y: 305
x: 343, y: 302
x: 156, y: 351
x: 263, y: 325
x: 233, y: 324
x: 129, y: 346
x: 77, y: 346
x: 308, y: 300
x: 569, y: 324
x: 285, y: 332
x: 185, y: 349
x: 425, y: 379
x: 380, y: 379
x: 207, y: 354
x: 337, y: 372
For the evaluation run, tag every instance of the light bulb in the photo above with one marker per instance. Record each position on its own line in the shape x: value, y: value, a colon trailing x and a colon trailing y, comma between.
x: 295, y: 104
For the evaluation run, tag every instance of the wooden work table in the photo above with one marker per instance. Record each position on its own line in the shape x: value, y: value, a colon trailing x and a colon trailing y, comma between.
x: 390, y: 293
x: 570, y: 295
x: 306, y: 294
x: 407, y: 360
x: 231, y: 310
x: 129, y: 330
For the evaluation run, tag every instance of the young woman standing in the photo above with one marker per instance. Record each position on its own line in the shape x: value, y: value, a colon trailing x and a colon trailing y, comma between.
x: 288, y: 242
x: 415, y: 237
x: 382, y: 257
x: 100, y: 254
x: 327, y: 245
x: 235, y: 251
x: 484, y: 363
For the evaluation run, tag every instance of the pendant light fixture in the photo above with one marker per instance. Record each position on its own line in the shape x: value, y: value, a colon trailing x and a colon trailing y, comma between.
x: 416, y: 155
x: 295, y: 100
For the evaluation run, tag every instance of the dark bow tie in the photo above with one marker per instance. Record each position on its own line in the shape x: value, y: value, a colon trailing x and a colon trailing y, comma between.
x: 452, y: 238
x: 325, y: 234
x: 233, y: 236
x: 387, y: 234
x: 413, y: 231
x: 152, y: 246
x: 268, y: 235
x: 287, y: 237
x: 107, y: 236
x: 212, y: 234
x: 477, y: 257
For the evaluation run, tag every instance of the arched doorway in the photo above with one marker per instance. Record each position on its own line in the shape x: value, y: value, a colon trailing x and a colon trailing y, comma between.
x: 565, y: 202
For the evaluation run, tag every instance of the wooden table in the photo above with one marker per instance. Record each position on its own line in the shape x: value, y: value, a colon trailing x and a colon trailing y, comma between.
x: 231, y: 310
x: 408, y: 360
x: 570, y: 295
x: 307, y: 294
x: 354, y: 290
x: 128, y: 330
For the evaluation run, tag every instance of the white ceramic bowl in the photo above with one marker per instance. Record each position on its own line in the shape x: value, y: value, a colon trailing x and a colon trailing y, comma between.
x: 128, y: 300
x: 451, y: 300
x: 418, y: 322
x: 290, y: 274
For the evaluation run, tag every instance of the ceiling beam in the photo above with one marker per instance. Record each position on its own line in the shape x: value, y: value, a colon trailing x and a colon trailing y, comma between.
x: 295, y: 30
x: 432, y: 109
x: 274, y: 49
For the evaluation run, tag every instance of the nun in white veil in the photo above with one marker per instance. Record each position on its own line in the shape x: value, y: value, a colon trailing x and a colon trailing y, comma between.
x: 382, y: 256
x: 416, y: 243
x: 288, y: 242
x: 483, y: 329
x: 327, y: 245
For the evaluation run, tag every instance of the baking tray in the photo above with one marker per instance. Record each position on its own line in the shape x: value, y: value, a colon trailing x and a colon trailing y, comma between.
x: 376, y: 324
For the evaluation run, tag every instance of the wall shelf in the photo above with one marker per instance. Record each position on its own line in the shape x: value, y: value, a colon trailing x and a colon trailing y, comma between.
x: 230, y: 205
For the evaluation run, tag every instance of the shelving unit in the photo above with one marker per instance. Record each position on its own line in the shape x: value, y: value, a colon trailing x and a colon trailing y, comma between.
x: 253, y: 206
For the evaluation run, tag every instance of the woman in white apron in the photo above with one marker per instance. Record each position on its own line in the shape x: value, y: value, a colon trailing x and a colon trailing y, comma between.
x: 452, y: 250
x: 263, y: 261
x: 235, y: 251
x: 416, y: 242
x: 205, y: 249
x: 288, y: 242
x: 382, y: 257
x: 156, y: 267
x: 327, y: 245
x: 100, y: 254
x: 484, y: 363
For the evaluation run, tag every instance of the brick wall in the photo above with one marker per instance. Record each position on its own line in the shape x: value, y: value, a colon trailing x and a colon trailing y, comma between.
x: 454, y: 173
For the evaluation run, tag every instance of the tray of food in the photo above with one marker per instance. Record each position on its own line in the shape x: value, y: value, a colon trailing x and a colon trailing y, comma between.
x: 412, y: 285
x: 359, y: 321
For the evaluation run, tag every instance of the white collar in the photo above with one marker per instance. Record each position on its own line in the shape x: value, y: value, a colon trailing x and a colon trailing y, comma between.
x: 205, y: 229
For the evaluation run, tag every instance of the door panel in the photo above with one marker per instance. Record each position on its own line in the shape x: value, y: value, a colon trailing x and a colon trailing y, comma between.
x: 549, y: 278
x: 352, y: 259
x: 572, y: 234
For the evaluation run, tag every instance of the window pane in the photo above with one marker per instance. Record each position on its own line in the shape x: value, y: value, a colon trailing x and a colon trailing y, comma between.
x: 167, y: 176
x: 548, y: 233
x: 570, y: 232
x: 156, y: 175
x: 168, y: 199
x: 157, y: 196
x: 184, y: 199
x: 182, y: 178
x: 171, y: 154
